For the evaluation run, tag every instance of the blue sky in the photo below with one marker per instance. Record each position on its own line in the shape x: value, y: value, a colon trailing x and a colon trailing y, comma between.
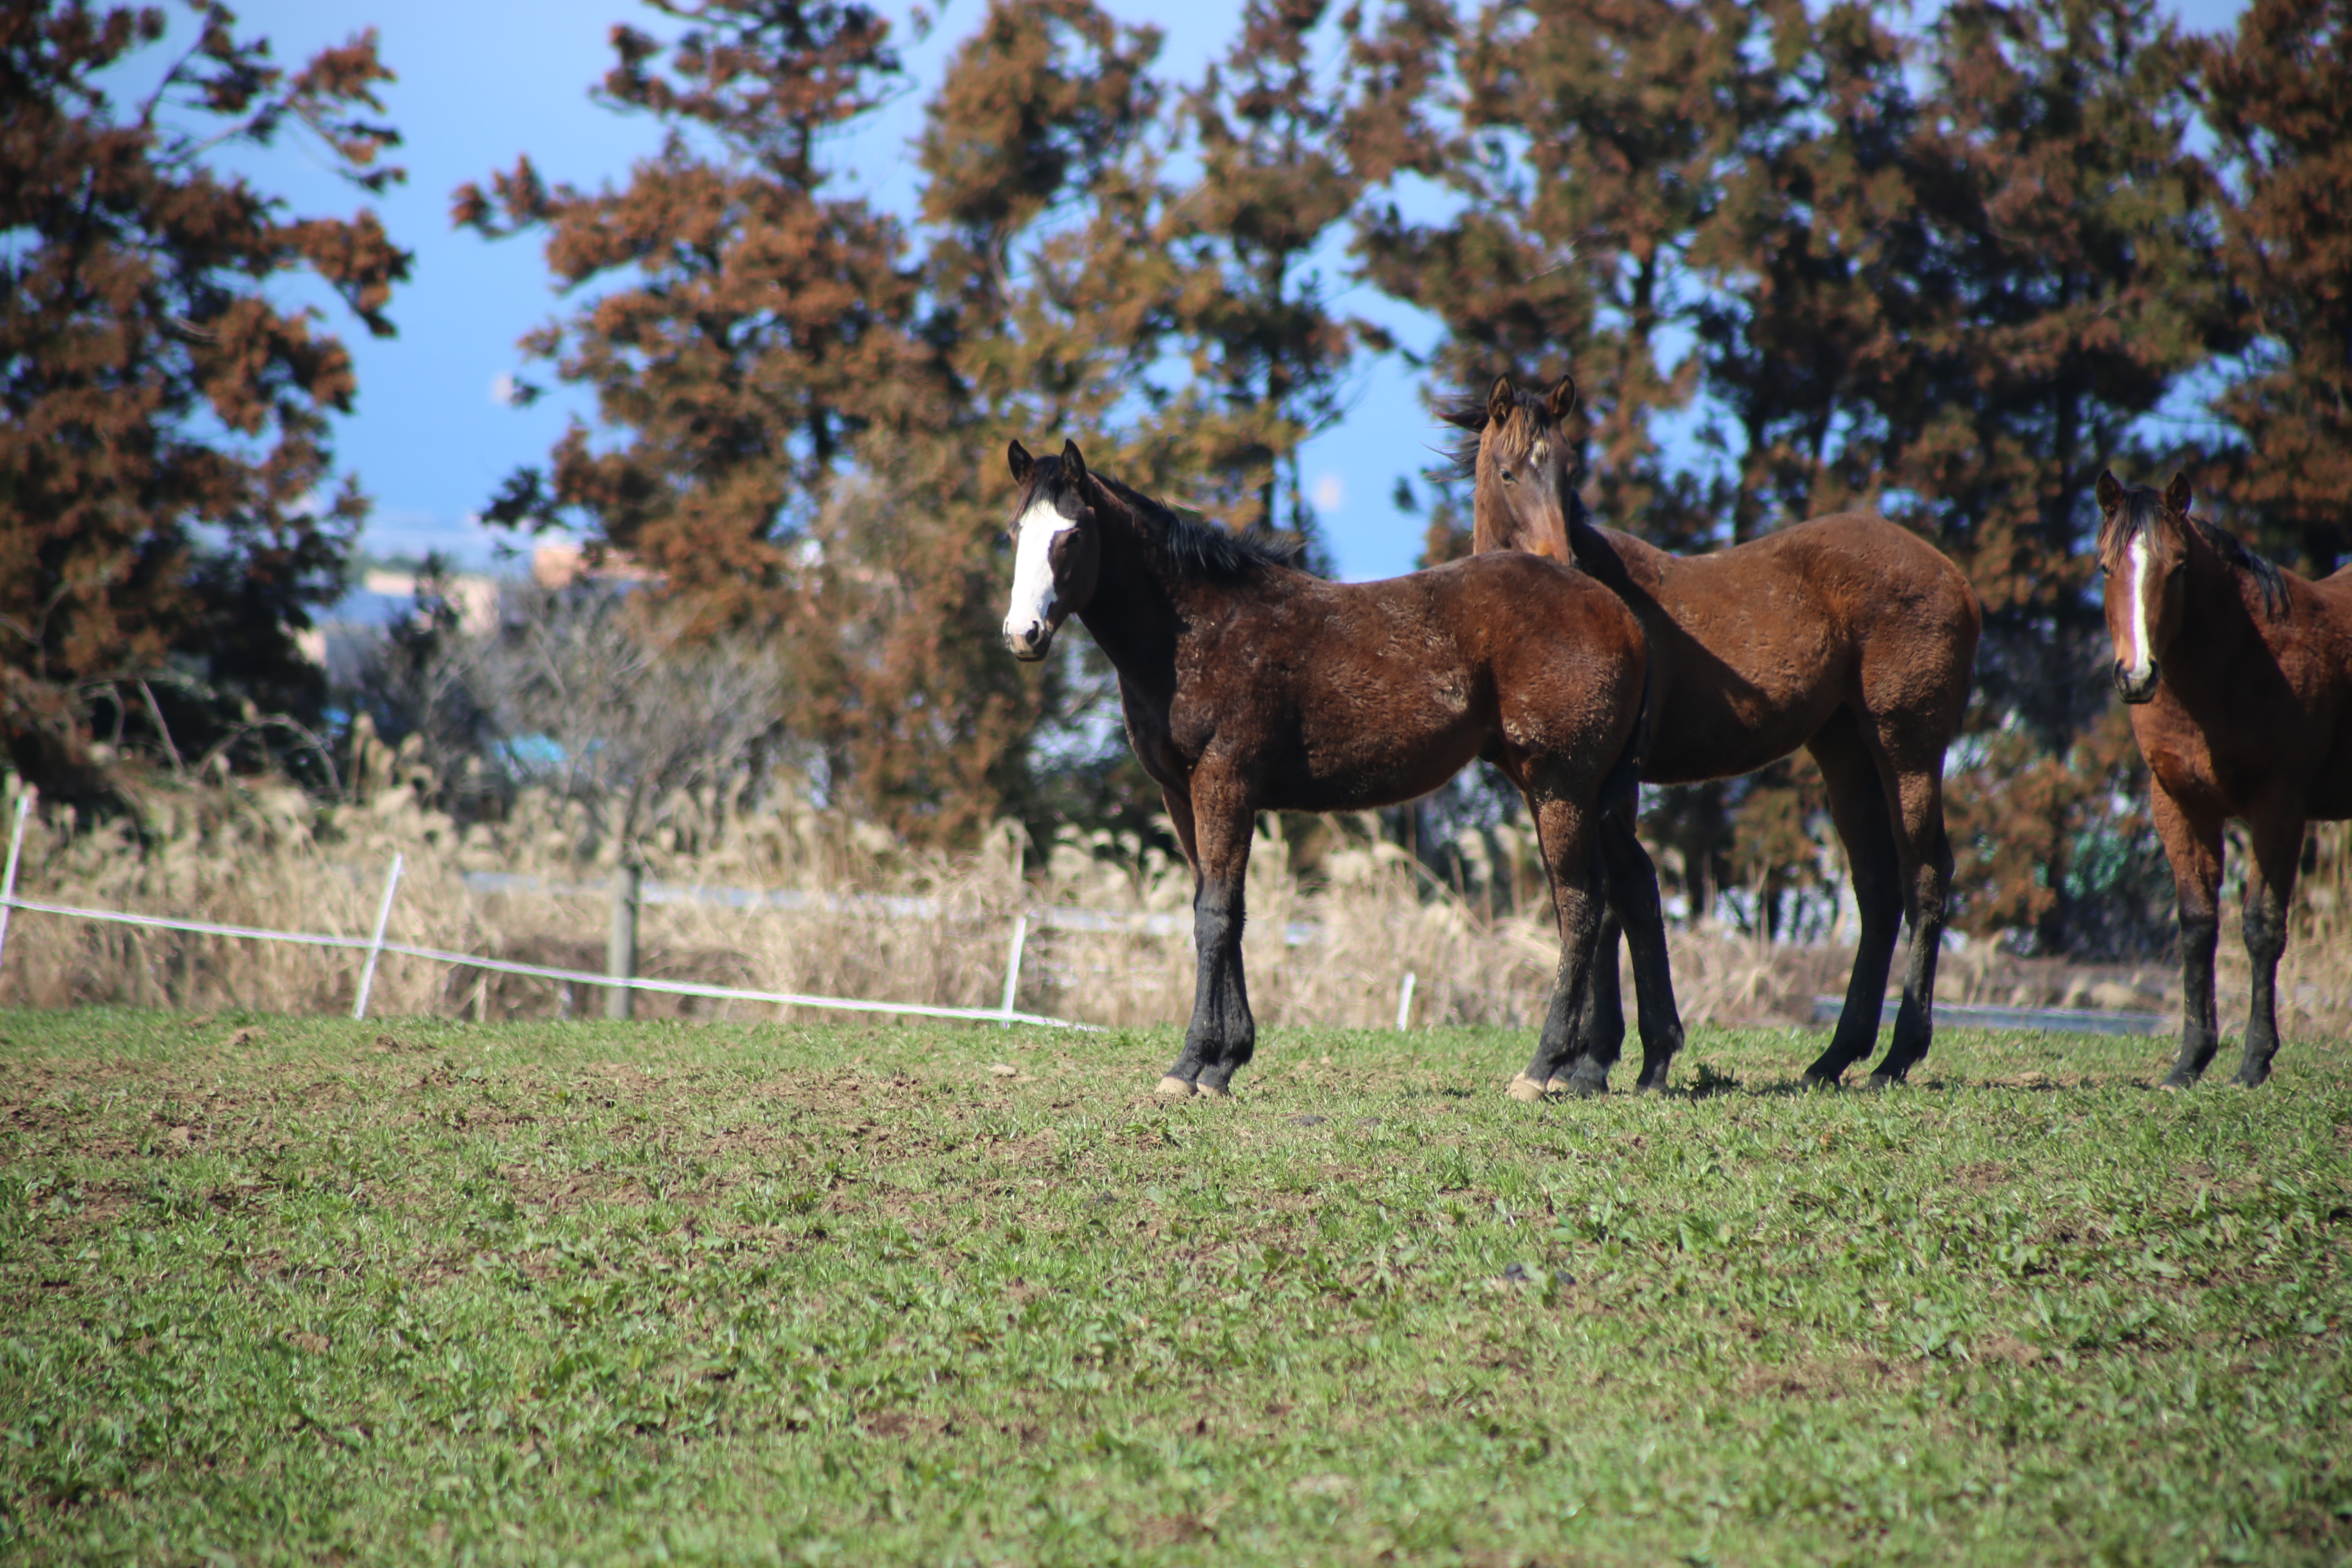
x: 483, y: 82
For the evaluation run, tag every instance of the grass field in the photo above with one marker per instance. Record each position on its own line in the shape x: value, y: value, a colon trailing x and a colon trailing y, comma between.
x: 301, y: 1290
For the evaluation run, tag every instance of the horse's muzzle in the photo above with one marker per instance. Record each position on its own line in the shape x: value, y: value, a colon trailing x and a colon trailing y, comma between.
x: 1029, y: 645
x: 2140, y: 690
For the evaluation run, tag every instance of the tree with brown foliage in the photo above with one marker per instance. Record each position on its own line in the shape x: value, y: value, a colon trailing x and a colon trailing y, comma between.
x: 2278, y: 97
x: 745, y: 322
x: 1267, y: 352
x: 804, y: 414
x: 1588, y: 154
x: 165, y: 526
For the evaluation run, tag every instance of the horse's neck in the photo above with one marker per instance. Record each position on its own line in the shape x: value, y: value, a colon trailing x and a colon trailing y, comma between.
x: 2221, y: 630
x: 1133, y: 615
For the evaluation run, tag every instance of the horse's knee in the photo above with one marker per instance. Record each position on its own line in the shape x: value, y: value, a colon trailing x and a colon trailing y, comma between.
x: 2265, y: 930
x: 2201, y: 931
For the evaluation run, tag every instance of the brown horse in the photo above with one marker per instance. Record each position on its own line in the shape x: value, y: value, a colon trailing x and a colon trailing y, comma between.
x: 1251, y: 686
x: 1844, y: 635
x: 2240, y: 679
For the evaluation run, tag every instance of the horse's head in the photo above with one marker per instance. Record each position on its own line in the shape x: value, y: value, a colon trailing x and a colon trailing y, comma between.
x: 1525, y: 482
x: 1057, y: 549
x: 2143, y: 551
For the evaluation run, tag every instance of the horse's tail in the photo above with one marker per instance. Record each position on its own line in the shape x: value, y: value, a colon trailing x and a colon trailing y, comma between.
x: 1621, y: 790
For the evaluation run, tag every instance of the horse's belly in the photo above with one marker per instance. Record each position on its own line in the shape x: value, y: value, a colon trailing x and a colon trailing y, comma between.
x: 1695, y: 741
x: 1333, y: 768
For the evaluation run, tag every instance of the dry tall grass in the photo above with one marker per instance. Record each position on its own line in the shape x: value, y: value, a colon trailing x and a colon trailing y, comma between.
x: 263, y: 855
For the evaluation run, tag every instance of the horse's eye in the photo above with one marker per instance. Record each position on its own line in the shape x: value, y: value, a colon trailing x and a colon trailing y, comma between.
x: 1509, y: 477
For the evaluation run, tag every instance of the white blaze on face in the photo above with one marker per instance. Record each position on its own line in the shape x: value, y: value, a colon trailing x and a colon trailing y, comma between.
x: 1030, y: 613
x: 2141, y: 561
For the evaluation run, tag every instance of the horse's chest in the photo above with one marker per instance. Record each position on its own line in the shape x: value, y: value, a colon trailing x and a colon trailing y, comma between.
x: 2183, y: 759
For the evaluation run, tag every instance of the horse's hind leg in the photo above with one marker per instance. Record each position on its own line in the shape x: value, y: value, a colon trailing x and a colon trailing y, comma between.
x: 1634, y: 900
x: 1865, y: 826
x: 2276, y: 849
x: 1599, y: 1033
x: 1223, y: 1033
x: 1926, y: 859
x: 2193, y: 845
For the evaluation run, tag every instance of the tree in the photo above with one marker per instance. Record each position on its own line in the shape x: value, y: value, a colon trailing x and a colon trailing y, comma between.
x: 166, y: 524
x: 2278, y: 97
x: 808, y: 416
x: 1267, y: 353
x: 2075, y: 284
x: 745, y: 324
x: 1587, y: 151
x: 1820, y: 266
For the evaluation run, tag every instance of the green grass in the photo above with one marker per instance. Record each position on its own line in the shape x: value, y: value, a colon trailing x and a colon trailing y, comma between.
x: 309, y: 1290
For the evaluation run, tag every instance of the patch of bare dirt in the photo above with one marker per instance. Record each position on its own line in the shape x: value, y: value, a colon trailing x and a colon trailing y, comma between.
x: 1172, y: 1529
x: 1825, y: 1377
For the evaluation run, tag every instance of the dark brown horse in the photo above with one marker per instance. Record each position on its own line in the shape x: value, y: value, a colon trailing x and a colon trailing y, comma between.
x: 1844, y: 635
x: 2240, y: 679
x: 1251, y: 686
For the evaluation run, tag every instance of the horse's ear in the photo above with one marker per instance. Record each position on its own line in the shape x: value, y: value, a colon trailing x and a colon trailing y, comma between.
x: 1074, y: 465
x: 1022, y: 464
x: 1562, y: 398
x: 2176, y: 494
x: 1500, y: 402
x: 2110, y: 491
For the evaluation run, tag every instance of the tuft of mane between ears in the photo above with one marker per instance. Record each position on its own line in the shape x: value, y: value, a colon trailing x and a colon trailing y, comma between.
x: 1470, y: 418
x: 2143, y: 508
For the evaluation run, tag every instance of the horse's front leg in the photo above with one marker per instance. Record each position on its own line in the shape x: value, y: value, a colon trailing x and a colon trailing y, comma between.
x: 1222, y: 1034
x: 2193, y: 845
x: 1565, y: 830
x: 2276, y: 851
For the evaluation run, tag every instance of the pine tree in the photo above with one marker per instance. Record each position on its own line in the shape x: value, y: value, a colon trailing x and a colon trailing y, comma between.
x: 808, y: 416
x: 1267, y: 352
x: 1819, y: 266
x: 167, y: 518
x: 2278, y: 97
x: 745, y: 325
x: 1588, y: 153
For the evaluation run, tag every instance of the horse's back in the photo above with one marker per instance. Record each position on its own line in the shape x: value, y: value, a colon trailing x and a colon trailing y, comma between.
x: 2324, y: 683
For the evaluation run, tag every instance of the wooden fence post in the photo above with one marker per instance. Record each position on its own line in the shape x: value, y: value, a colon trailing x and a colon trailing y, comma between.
x: 620, y: 945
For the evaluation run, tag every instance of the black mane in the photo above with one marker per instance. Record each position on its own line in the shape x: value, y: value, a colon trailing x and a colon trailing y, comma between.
x: 2143, y: 507
x: 1195, y: 549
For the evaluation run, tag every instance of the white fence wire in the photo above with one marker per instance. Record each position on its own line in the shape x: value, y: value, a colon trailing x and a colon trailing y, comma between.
x: 378, y: 945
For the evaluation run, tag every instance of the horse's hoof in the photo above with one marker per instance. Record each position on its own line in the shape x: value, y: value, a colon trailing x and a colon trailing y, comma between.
x: 1524, y: 1088
x: 1814, y: 1079
x: 1558, y: 1086
x: 1175, y: 1088
x: 1214, y: 1091
x: 2176, y: 1083
x: 1884, y: 1081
